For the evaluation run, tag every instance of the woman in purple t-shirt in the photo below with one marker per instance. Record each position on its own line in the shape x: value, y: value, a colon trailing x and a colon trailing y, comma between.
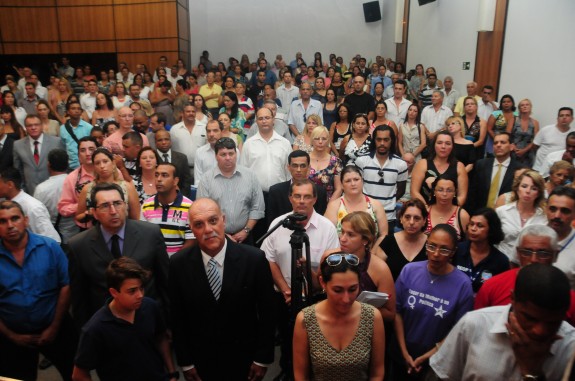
x: 431, y: 297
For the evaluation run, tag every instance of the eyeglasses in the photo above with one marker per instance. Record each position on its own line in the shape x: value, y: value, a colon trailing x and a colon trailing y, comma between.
x: 335, y: 259
x: 540, y: 254
x: 106, y: 207
x: 434, y: 248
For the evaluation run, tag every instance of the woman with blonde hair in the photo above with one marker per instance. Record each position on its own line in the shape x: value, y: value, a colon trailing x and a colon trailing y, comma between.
x: 464, y: 149
x: 523, y: 132
x: 304, y: 140
x: 560, y: 172
x: 325, y: 168
x: 58, y: 98
x: 525, y: 208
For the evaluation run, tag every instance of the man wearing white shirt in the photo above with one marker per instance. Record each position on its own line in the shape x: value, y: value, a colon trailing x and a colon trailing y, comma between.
x: 487, y: 105
x: 567, y: 154
x: 186, y: 136
x: 287, y: 92
x: 560, y: 215
x: 39, y: 217
x: 88, y: 100
x: 451, y: 95
x: 398, y: 105
x: 41, y: 91
x: 302, y: 108
x: 206, y: 155
x: 435, y: 115
x: 266, y: 152
x: 551, y: 138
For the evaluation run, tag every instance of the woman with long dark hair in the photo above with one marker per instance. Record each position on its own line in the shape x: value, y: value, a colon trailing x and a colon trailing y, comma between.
x: 411, y: 137
x: 11, y: 126
x: 231, y: 107
x: 340, y: 128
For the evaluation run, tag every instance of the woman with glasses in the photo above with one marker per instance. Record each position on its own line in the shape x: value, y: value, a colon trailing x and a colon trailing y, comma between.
x: 304, y: 140
x: 407, y: 245
x: 526, y: 208
x: 443, y: 208
x: 464, y: 149
x: 339, y: 338
x: 478, y: 257
x: 431, y: 297
x: 105, y: 171
x: 358, y: 143
x: 441, y: 161
x: 325, y: 169
x: 353, y: 200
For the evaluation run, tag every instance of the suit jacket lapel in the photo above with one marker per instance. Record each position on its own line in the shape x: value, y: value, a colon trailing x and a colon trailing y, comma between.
x: 231, y: 269
x: 99, y: 246
x: 131, y: 239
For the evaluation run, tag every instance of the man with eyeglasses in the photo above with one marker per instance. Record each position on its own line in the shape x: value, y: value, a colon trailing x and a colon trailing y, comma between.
x: 92, y: 251
x: 322, y: 237
x: 236, y: 190
x: 278, y: 197
x: 487, y: 105
x: 560, y: 214
x: 536, y: 244
x: 279, y: 125
x: 525, y: 340
x: 384, y: 173
x: 125, y: 120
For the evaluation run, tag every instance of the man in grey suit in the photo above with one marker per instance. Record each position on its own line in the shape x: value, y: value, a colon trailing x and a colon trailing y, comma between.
x: 92, y: 251
x: 31, y: 153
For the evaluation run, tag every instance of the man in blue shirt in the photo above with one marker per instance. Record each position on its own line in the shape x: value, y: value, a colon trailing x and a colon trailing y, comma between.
x: 34, y: 299
x: 72, y: 131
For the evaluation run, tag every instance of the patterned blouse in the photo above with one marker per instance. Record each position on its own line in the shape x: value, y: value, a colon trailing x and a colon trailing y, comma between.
x: 325, y: 177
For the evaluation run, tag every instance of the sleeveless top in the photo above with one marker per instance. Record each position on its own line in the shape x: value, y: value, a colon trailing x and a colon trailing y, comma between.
x: 395, y: 258
x: 450, y: 172
x: 472, y: 133
x: 101, y: 121
x: 329, y: 116
x: 522, y: 139
x: 365, y: 281
x: 411, y: 138
x: 302, y: 145
x: 342, y: 212
x: 452, y: 221
x: 337, y: 137
x: 61, y: 108
x: 349, y: 364
x: 352, y: 151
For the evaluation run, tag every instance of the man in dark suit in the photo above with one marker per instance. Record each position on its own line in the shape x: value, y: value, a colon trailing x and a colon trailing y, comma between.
x: 180, y: 161
x: 486, y: 171
x: 223, y: 326
x: 278, y: 198
x: 31, y: 153
x: 6, y: 149
x: 92, y: 251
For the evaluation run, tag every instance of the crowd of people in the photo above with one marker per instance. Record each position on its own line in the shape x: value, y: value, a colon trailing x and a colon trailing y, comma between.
x: 126, y: 195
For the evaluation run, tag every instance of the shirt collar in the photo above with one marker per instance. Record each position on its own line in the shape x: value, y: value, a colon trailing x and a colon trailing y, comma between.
x: 3, y: 140
x: 219, y: 257
x: 39, y: 140
x: 108, y: 236
x: 505, y: 162
x: 177, y: 201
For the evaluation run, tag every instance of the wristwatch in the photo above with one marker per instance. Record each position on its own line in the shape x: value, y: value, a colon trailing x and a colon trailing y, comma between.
x: 247, y: 230
x: 531, y: 377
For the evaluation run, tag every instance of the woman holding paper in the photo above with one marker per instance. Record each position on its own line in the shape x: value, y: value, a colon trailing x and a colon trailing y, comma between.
x: 357, y: 236
x: 431, y: 297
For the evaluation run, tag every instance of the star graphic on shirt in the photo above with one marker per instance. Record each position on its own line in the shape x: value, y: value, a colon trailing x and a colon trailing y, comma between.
x: 439, y: 311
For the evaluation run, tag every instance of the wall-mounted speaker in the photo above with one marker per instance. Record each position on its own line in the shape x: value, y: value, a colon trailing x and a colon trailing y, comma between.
x: 371, y: 11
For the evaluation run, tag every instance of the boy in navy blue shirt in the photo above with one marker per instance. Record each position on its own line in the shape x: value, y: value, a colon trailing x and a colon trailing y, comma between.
x: 127, y: 338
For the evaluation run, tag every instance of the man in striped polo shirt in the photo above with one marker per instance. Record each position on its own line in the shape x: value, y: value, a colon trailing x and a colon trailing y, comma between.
x: 169, y: 209
x: 384, y: 173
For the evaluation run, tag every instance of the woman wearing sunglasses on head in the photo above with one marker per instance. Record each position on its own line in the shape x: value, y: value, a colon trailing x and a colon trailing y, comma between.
x: 339, y: 339
x: 431, y: 297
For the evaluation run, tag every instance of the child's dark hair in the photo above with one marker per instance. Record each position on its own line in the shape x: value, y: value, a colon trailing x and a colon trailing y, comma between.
x: 125, y: 268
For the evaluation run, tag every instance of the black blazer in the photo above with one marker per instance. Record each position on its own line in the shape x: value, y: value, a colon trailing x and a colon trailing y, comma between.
x: 482, y: 181
x: 89, y: 257
x: 222, y: 338
x: 182, y: 171
x: 279, y: 204
x: 6, y: 154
